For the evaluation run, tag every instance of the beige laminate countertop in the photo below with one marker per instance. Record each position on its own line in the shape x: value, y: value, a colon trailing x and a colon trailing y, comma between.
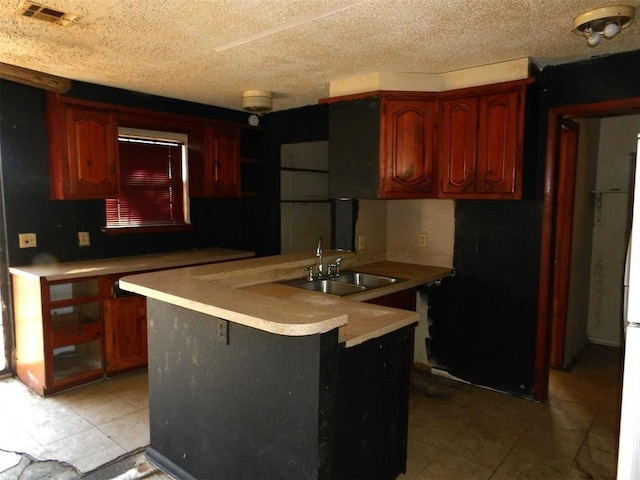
x: 247, y: 292
x: 121, y: 265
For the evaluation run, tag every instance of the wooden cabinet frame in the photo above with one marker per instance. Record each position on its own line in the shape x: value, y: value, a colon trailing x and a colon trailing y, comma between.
x: 39, y: 333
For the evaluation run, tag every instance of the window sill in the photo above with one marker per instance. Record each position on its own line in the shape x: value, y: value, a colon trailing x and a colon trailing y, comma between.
x: 147, y: 229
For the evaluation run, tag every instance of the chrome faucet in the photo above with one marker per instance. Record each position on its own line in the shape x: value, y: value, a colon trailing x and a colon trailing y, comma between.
x: 319, y: 255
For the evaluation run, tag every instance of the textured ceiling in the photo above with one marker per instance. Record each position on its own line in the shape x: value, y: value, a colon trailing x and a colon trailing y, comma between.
x: 209, y: 51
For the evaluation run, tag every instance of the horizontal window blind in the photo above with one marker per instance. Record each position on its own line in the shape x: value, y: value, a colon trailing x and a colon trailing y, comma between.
x: 150, y: 185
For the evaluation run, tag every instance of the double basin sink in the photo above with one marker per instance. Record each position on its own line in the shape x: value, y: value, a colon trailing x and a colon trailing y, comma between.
x: 346, y: 283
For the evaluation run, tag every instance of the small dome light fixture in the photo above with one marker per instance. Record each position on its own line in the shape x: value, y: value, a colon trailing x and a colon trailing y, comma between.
x: 603, y: 22
x: 257, y: 101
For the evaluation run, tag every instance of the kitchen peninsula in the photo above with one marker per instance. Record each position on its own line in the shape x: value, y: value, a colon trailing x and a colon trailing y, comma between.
x: 252, y: 378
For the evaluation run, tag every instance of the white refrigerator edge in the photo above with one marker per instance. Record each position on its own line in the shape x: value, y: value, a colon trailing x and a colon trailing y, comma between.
x: 629, y: 444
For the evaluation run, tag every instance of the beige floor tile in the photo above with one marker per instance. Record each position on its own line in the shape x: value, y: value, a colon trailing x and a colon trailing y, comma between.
x: 563, y: 418
x: 13, y: 437
x: 594, y: 464
x: 578, y: 388
x: 437, y: 464
x: 124, y: 384
x: 437, y: 429
x: 131, y: 431
x: 529, y: 469
x: 103, y: 411
x: 604, y: 432
x: 482, y: 445
x: 555, y: 450
x: 48, y: 425
x: 86, y: 450
x: 138, y: 399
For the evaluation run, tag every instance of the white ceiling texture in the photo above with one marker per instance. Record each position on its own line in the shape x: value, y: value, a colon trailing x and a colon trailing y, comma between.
x: 209, y: 51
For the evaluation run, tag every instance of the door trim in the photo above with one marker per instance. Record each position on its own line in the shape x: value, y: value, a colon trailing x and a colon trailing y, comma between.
x: 627, y: 106
x: 566, y: 181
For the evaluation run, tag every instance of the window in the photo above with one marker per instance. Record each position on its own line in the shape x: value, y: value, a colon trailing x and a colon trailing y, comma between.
x: 153, y: 182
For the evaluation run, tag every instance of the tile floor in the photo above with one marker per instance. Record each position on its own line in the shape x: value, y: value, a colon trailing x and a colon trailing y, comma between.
x: 456, y: 432
x: 85, y: 427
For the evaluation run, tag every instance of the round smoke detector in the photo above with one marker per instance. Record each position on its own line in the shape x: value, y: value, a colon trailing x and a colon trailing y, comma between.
x: 257, y: 101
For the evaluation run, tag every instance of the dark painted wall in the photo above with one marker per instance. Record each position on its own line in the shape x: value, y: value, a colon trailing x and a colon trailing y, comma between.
x: 596, y: 80
x: 485, y: 317
x: 306, y: 124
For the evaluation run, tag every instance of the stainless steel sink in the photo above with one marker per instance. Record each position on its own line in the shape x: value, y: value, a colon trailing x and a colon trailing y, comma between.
x: 346, y: 283
x: 330, y: 287
x: 366, y: 280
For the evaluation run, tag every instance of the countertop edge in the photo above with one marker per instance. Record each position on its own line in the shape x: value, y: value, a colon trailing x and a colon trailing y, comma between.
x: 125, y: 265
x: 214, y: 290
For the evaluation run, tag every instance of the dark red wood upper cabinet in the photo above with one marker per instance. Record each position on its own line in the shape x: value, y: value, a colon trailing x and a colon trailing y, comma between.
x: 222, y: 161
x: 481, y: 142
x: 83, y: 151
x: 407, y: 148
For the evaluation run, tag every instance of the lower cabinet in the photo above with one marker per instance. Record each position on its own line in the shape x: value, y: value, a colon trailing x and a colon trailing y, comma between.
x: 70, y: 332
x: 372, y: 408
x: 404, y: 299
x: 125, y: 325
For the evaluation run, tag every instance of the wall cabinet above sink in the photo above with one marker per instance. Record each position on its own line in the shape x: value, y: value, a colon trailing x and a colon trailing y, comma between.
x: 466, y: 143
x: 383, y: 147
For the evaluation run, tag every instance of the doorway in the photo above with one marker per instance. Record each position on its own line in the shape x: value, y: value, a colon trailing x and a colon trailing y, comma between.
x: 554, y: 226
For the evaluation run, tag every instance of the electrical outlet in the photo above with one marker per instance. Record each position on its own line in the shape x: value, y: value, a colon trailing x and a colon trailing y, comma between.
x: 27, y: 240
x: 83, y: 239
x: 361, y: 242
x: 422, y: 240
x: 223, y: 331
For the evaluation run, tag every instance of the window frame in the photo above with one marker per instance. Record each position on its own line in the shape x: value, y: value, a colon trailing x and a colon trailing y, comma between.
x: 159, y: 135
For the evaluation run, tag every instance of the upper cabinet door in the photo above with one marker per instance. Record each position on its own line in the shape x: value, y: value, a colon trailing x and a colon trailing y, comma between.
x: 93, y: 159
x: 457, y: 156
x: 499, y: 158
x: 222, y: 161
x: 407, y: 148
x: 83, y: 152
x: 481, y: 143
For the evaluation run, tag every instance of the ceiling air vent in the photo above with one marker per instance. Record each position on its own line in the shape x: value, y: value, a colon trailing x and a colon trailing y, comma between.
x: 44, y: 13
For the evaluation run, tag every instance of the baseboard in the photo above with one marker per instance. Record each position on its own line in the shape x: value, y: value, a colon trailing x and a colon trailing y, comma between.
x: 606, y: 343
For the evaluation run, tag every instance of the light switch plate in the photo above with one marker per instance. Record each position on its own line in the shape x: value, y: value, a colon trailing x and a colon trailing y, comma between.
x: 223, y: 331
x: 422, y: 240
x: 83, y: 239
x: 27, y: 240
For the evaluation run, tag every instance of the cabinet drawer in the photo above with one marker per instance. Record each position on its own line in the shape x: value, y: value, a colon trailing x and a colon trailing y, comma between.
x: 79, y: 333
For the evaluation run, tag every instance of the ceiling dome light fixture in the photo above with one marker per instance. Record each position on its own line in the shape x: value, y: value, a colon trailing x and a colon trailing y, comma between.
x: 603, y: 22
x: 257, y: 101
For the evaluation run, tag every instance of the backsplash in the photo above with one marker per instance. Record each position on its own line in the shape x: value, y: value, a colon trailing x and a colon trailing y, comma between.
x: 395, y: 226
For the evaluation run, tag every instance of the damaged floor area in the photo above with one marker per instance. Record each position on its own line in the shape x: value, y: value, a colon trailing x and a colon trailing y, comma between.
x: 100, y: 431
x: 96, y: 431
x: 132, y: 466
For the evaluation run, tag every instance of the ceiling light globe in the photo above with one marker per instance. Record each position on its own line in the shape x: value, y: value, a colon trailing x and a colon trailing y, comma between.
x: 611, y: 30
x: 594, y: 39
